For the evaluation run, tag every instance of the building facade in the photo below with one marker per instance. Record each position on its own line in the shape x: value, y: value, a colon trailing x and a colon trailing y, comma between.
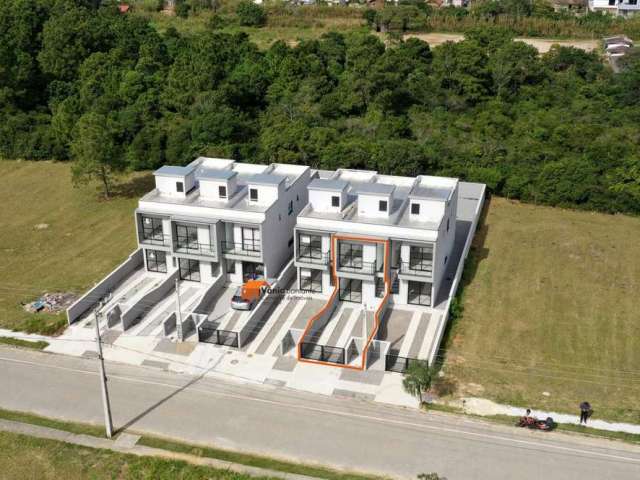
x: 370, y: 227
x: 220, y: 217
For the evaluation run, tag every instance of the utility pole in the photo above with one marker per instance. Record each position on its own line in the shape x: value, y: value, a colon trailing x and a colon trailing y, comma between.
x: 178, y: 311
x: 108, y: 423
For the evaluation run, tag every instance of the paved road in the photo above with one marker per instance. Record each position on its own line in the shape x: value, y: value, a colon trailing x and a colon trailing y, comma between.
x: 345, y: 433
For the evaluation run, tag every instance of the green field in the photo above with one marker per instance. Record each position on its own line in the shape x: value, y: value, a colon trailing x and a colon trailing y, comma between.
x: 26, y: 457
x: 550, y: 305
x: 85, y: 237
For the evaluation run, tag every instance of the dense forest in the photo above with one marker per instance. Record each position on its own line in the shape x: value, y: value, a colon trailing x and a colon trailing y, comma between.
x: 109, y: 92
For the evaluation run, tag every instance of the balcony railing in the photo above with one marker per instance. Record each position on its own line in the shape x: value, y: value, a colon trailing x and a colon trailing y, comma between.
x: 312, y: 255
x: 417, y: 268
x: 194, y: 248
x: 249, y: 249
x: 347, y: 263
x: 156, y: 239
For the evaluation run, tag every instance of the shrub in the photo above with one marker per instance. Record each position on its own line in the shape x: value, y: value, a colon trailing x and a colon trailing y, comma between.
x: 251, y: 15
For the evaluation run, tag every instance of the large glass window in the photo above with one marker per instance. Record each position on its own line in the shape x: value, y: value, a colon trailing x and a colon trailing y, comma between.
x: 311, y: 279
x: 189, y: 269
x: 419, y: 293
x: 187, y: 236
x: 251, y: 239
x: 351, y: 255
x: 421, y: 258
x: 152, y: 230
x: 351, y: 290
x: 310, y: 246
x: 156, y: 261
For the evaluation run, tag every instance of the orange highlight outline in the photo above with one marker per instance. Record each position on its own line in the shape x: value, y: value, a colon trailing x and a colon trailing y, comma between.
x: 336, y: 284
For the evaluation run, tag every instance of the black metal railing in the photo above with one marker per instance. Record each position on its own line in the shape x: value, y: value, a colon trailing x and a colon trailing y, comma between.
x: 156, y: 239
x: 194, y: 248
x: 322, y: 353
x: 313, y: 256
x: 348, y: 263
x: 250, y: 249
x: 396, y: 363
x: 417, y: 268
x: 218, y: 337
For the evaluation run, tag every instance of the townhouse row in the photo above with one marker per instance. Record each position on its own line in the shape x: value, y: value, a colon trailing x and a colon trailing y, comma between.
x: 373, y: 255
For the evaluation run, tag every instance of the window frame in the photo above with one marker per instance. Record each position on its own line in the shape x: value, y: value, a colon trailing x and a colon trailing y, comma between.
x: 189, y: 269
x: 415, y: 209
x: 382, y: 203
x: 180, y: 187
x: 222, y: 191
x: 335, y: 201
x: 157, y: 264
x: 253, y: 194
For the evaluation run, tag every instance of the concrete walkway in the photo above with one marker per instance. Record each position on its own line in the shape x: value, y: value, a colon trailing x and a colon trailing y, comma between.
x: 127, y: 443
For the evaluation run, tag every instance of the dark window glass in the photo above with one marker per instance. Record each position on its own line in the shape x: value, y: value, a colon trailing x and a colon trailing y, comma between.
x: 251, y: 239
x: 291, y: 207
x: 382, y: 205
x: 189, y: 269
x: 419, y: 293
x: 335, y: 201
x: 253, y: 194
x: 311, y: 280
x: 350, y: 255
x: 156, y: 261
x: 152, y: 230
x: 187, y: 237
x: 310, y: 246
x: 415, y: 209
x: 179, y: 187
x: 447, y: 224
x: 231, y: 266
x: 222, y: 191
x: 421, y: 258
x: 351, y: 290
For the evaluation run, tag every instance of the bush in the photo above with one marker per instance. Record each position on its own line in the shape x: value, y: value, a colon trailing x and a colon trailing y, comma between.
x: 251, y: 15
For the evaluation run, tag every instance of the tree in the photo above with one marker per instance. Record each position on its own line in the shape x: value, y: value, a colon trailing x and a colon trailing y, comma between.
x: 417, y: 378
x: 95, y: 152
x: 250, y: 14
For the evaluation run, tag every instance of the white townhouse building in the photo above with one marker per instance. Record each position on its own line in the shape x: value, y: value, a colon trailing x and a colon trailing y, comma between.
x: 365, y: 213
x: 218, y: 217
x: 616, y: 7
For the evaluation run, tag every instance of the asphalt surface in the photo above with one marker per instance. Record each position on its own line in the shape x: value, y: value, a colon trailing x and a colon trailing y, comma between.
x: 344, y: 433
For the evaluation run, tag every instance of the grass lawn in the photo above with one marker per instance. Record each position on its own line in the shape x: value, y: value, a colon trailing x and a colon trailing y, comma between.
x: 17, y: 342
x: 27, y: 457
x: 303, y: 24
x: 199, y: 451
x: 85, y: 237
x: 550, y: 305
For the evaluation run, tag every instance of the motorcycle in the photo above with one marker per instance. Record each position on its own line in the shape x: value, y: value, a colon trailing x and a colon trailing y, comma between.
x: 534, y: 423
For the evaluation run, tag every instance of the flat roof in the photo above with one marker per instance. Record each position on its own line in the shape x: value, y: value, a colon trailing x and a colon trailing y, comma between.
x: 174, y: 171
x: 215, y: 174
x: 376, y: 188
x: 330, y: 185
x: 430, y: 192
x: 265, y: 179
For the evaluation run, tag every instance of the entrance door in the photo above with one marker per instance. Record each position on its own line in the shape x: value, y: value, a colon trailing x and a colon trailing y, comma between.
x: 351, y: 290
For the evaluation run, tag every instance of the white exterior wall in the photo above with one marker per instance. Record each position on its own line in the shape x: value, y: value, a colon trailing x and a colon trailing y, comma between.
x: 369, y: 205
x: 210, y: 189
x: 278, y: 227
x: 369, y: 294
x: 320, y: 200
x: 167, y: 185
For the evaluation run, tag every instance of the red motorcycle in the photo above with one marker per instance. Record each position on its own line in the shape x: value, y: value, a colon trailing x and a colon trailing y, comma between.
x: 534, y: 423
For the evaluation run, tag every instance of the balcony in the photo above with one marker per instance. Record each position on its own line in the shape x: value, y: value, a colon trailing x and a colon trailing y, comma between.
x: 420, y: 268
x: 313, y: 256
x: 194, y: 248
x: 248, y: 249
x: 351, y: 264
x: 156, y: 239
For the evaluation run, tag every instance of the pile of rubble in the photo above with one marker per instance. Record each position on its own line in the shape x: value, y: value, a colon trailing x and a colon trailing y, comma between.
x: 51, y: 303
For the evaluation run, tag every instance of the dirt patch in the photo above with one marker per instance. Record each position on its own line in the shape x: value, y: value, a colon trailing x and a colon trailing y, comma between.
x: 51, y: 303
x: 543, y: 45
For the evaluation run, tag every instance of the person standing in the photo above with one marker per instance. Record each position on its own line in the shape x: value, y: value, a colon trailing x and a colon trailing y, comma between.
x: 585, y: 412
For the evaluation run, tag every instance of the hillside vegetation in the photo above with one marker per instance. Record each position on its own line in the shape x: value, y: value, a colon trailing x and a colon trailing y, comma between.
x: 111, y: 92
